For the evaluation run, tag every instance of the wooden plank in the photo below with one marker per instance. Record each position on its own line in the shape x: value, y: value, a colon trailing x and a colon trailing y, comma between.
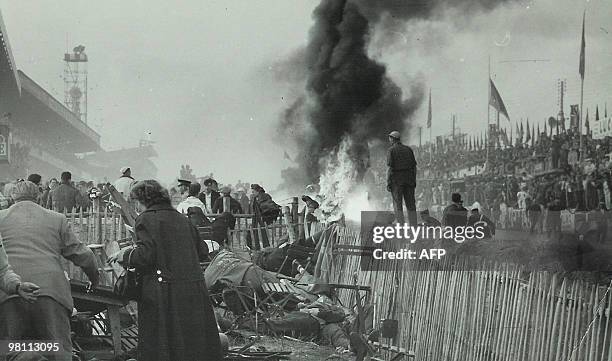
x: 115, y: 328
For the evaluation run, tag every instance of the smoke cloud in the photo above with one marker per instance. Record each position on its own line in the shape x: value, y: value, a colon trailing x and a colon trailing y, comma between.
x: 348, y: 95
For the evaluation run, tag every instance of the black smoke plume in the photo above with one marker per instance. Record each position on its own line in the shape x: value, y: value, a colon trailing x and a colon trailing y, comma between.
x: 348, y: 94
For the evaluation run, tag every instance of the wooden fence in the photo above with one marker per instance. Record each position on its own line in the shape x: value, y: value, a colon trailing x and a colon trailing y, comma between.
x: 499, y: 313
x: 102, y: 231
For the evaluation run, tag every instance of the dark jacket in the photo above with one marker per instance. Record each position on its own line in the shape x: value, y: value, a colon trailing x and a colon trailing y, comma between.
x: 175, y: 316
x: 454, y: 215
x: 235, y: 207
x: 213, y: 198
x: 63, y: 197
x: 402, y: 165
x: 474, y: 220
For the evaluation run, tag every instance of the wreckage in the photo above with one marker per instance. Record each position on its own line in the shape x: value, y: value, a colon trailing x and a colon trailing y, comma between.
x: 283, y: 290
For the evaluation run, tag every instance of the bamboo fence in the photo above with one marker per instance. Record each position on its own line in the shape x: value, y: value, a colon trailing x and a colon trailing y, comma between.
x: 499, y: 313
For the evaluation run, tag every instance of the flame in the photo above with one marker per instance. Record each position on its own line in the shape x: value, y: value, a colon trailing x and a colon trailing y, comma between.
x: 341, y: 193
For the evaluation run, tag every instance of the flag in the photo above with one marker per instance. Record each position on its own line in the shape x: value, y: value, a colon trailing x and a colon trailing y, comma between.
x: 518, y: 133
x: 597, y: 113
x: 586, y: 123
x: 429, y: 113
x: 533, y: 136
x: 528, y: 137
x: 521, y: 132
x: 582, y: 49
x: 287, y: 157
x: 496, y: 101
x: 505, y: 138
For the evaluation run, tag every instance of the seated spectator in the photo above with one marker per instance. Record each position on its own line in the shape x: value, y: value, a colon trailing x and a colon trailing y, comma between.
x: 455, y: 215
x: 478, y: 219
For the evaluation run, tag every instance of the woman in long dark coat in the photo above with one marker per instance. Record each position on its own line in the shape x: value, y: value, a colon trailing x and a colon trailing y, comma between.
x: 175, y: 317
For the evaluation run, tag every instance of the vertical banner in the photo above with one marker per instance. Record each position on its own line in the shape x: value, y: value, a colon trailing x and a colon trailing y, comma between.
x: 4, y: 143
x: 493, y: 135
x: 574, y: 115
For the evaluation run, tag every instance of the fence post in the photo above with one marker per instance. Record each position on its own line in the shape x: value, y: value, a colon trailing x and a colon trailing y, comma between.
x: 97, y: 217
x: 290, y: 229
x: 294, y: 215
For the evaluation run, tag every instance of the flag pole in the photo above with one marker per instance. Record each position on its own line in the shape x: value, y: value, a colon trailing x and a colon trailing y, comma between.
x: 583, y: 66
x: 431, y: 147
x: 488, y: 112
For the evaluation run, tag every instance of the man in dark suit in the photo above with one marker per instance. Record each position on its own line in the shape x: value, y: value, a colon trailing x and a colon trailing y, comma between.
x: 209, y: 195
x: 401, y: 178
x: 65, y: 197
x: 234, y: 205
x: 455, y: 215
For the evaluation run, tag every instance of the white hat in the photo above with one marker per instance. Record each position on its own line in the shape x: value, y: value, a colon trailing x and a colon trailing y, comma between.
x: 124, y: 169
x: 212, y: 246
x: 476, y: 205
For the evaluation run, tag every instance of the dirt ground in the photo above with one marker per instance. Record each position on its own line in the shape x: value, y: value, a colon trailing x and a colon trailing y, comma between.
x: 300, y: 350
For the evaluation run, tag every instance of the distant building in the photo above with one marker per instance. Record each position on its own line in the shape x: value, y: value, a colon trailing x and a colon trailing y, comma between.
x: 40, y: 134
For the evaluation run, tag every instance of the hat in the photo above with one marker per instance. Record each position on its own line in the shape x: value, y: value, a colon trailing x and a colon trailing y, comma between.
x: 24, y: 191
x: 240, y: 189
x: 226, y: 190
x: 184, y: 182
x: 310, y: 203
x: 209, y: 181
x: 456, y: 198
x: 395, y: 134
x: 475, y: 206
x: 257, y: 187
x: 124, y: 169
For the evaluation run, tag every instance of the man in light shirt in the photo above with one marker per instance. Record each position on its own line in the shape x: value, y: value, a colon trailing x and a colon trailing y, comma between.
x: 521, y: 196
x: 210, y: 195
x: 192, y: 200
x: 124, y: 183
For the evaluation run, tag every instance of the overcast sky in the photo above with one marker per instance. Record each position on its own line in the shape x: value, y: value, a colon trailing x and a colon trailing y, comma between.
x: 195, y: 73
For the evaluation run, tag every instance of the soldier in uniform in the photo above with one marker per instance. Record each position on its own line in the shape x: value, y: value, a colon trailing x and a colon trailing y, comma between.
x: 401, y: 178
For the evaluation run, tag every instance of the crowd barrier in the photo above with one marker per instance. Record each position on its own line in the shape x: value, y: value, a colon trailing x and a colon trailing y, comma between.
x: 503, y: 312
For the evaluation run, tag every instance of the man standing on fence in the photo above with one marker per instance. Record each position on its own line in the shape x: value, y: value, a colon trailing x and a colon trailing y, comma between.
x: 35, y: 240
x: 124, y: 183
x: 401, y: 178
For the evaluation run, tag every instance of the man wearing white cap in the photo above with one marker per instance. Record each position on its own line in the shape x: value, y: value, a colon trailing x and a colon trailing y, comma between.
x: 401, y: 178
x: 124, y: 183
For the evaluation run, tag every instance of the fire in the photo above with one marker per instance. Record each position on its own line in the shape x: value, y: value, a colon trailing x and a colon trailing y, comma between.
x: 341, y: 192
